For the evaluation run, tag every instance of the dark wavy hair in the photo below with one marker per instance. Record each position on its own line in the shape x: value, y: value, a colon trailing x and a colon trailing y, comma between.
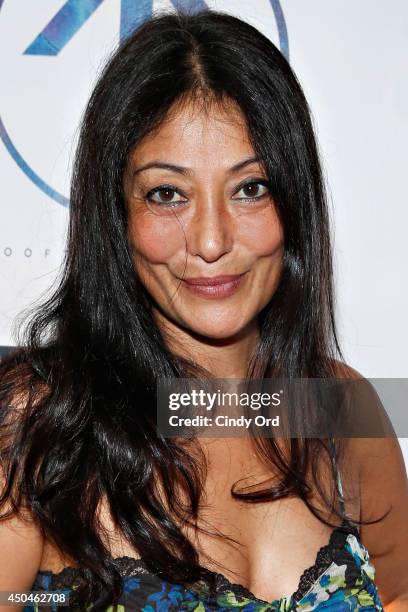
x: 78, y: 397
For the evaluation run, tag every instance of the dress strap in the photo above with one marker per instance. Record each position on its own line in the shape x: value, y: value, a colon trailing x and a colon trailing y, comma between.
x: 339, y: 484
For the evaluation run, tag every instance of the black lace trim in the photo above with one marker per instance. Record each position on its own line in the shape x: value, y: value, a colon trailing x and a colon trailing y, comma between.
x: 325, y: 556
x: 68, y: 576
x: 131, y: 566
x: 328, y: 553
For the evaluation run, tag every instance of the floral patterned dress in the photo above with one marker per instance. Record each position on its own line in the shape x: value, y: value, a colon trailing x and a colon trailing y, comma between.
x: 341, y: 579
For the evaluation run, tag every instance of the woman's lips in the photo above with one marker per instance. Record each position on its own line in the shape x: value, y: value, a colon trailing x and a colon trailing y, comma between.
x: 216, y: 287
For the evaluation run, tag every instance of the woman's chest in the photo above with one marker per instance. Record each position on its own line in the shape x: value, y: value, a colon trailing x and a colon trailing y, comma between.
x: 264, y: 546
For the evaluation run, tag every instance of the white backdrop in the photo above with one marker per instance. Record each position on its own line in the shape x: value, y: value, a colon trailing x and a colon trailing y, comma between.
x: 351, y: 58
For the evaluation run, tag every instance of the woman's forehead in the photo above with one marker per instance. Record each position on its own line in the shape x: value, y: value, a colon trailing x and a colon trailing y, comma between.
x: 188, y: 132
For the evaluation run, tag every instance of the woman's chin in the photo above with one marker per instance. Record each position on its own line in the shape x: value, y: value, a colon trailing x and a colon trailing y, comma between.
x: 220, y: 330
x: 226, y: 324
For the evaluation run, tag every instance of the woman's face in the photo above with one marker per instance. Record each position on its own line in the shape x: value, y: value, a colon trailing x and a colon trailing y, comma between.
x: 199, y: 207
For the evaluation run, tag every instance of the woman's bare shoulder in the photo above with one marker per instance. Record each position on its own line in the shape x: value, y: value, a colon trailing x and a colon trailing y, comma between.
x: 383, y: 486
x: 21, y: 538
x: 366, y: 399
x: 344, y: 370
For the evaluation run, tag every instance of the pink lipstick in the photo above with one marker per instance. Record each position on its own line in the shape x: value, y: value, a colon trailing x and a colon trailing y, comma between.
x: 215, y: 286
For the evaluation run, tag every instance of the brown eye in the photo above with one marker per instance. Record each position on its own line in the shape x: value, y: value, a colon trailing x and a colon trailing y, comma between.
x: 253, y: 190
x: 165, y: 195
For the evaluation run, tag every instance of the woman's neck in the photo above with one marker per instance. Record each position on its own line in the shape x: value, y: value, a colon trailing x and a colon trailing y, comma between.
x: 223, y: 357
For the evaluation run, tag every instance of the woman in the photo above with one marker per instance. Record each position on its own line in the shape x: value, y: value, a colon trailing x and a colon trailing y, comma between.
x: 196, y: 159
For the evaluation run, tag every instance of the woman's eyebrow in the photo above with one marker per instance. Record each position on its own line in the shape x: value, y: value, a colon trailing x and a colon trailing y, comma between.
x: 188, y: 171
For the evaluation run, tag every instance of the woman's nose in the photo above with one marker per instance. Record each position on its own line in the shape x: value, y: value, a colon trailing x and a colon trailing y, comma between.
x: 210, y: 232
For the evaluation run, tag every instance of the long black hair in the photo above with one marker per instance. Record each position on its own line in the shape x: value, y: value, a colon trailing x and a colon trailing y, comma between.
x: 79, y: 396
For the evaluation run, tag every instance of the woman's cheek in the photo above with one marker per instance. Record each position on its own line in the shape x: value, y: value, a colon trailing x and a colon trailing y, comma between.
x: 262, y: 233
x: 155, y: 238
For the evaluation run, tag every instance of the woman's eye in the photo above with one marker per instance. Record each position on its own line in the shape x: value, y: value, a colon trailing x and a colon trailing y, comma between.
x: 253, y: 190
x: 164, y: 195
